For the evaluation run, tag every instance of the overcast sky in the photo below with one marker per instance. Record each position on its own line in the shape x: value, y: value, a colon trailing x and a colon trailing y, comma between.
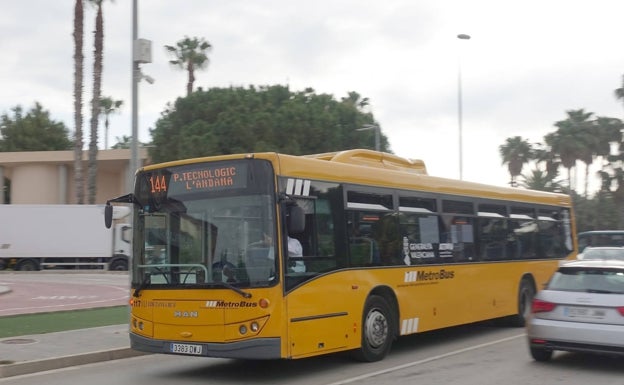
x: 527, y: 63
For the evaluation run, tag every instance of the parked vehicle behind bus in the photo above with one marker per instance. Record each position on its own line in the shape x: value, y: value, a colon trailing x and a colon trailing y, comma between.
x: 599, y: 238
x: 35, y: 237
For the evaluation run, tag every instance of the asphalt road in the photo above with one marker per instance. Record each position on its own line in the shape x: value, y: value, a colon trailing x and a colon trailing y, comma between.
x: 468, y: 355
x: 46, y: 291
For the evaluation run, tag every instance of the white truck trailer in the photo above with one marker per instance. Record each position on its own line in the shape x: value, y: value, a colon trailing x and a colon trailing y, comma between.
x: 34, y: 237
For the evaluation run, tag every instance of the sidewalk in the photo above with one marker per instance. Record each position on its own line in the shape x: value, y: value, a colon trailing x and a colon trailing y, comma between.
x: 35, y: 353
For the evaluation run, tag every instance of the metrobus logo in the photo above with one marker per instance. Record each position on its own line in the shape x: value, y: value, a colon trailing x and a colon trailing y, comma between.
x: 221, y: 304
x: 421, y: 275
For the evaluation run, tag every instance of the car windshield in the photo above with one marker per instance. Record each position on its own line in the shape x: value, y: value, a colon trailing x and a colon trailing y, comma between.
x: 603, y: 253
x: 588, y: 280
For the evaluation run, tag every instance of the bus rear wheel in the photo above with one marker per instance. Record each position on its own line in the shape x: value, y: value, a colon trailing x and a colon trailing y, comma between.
x: 377, y: 330
x: 526, y: 292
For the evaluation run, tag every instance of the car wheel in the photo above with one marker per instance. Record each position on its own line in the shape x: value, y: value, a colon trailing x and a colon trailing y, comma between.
x: 541, y: 354
x: 377, y: 330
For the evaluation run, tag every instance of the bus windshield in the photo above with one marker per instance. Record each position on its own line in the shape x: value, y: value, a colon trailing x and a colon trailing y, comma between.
x: 208, y: 225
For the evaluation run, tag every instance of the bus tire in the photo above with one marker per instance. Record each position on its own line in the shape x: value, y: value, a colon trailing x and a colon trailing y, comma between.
x: 377, y: 330
x: 526, y: 292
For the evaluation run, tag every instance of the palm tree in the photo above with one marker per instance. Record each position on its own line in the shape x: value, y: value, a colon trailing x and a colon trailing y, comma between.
x: 619, y: 92
x: 356, y: 100
x: 516, y: 152
x: 617, y: 171
x: 125, y: 142
x: 605, y: 132
x: 98, y: 54
x: 78, y: 73
x: 540, y: 180
x: 107, y: 107
x: 190, y: 54
x: 570, y: 139
x: 543, y: 154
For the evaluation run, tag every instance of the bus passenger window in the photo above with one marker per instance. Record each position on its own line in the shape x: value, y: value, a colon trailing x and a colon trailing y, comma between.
x: 459, y: 231
x: 421, y: 239
x: 493, y: 237
x: 363, y: 248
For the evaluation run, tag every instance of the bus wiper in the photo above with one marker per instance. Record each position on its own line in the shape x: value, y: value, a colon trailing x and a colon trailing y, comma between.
x: 146, y: 279
x: 233, y: 288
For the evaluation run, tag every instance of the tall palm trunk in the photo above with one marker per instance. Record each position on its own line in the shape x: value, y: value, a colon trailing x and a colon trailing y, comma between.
x: 191, y: 78
x: 106, y: 132
x: 586, y: 178
x: 78, y: 74
x: 95, y: 101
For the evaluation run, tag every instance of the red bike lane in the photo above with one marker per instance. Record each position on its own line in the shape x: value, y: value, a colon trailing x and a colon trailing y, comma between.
x: 39, y: 292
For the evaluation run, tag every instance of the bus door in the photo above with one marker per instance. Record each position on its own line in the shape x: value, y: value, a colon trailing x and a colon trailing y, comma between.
x: 317, y: 320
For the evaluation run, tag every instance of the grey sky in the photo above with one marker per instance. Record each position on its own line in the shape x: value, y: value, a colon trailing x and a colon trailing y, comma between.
x: 526, y: 64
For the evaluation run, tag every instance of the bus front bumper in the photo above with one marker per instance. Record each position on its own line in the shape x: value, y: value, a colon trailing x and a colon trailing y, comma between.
x: 258, y: 349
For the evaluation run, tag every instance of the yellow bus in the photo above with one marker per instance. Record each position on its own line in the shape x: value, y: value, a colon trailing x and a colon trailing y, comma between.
x: 386, y: 251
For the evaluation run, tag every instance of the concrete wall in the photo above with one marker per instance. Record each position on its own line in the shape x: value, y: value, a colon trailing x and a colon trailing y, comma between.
x: 47, y: 177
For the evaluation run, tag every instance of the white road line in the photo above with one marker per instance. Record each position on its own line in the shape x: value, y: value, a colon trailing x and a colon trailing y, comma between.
x: 410, y: 364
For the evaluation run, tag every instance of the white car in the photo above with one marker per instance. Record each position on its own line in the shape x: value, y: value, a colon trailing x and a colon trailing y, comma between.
x: 602, y: 252
x: 581, y: 309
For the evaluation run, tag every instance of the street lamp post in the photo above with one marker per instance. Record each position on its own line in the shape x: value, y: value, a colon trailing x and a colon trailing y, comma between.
x: 375, y: 127
x: 141, y: 53
x: 459, y: 109
x: 134, y: 149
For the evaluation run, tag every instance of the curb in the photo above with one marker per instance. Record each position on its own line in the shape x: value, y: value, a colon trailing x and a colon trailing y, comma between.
x: 20, y: 368
x: 4, y: 290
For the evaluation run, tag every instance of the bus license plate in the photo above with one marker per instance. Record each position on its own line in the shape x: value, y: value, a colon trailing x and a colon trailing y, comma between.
x: 186, y: 349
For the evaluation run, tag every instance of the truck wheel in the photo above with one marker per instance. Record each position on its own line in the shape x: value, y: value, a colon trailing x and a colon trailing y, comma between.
x: 118, y: 265
x: 377, y: 330
x: 27, y: 265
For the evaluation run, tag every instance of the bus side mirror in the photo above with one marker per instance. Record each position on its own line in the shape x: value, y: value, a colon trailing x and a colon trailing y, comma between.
x: 295, y: 219
x: 108, y: 215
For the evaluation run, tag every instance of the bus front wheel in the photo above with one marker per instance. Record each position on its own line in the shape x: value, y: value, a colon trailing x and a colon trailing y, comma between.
x: 377, y: 330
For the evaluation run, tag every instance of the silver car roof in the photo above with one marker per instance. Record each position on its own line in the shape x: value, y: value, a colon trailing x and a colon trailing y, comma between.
x: 595, y: 263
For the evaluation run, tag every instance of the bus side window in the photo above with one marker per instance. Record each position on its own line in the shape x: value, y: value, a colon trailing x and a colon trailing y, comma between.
x: 459, y: 231
x: 363, y: 248
x: 319, y: 238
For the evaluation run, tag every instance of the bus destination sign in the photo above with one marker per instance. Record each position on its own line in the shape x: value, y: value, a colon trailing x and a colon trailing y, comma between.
x: 194, y: 178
